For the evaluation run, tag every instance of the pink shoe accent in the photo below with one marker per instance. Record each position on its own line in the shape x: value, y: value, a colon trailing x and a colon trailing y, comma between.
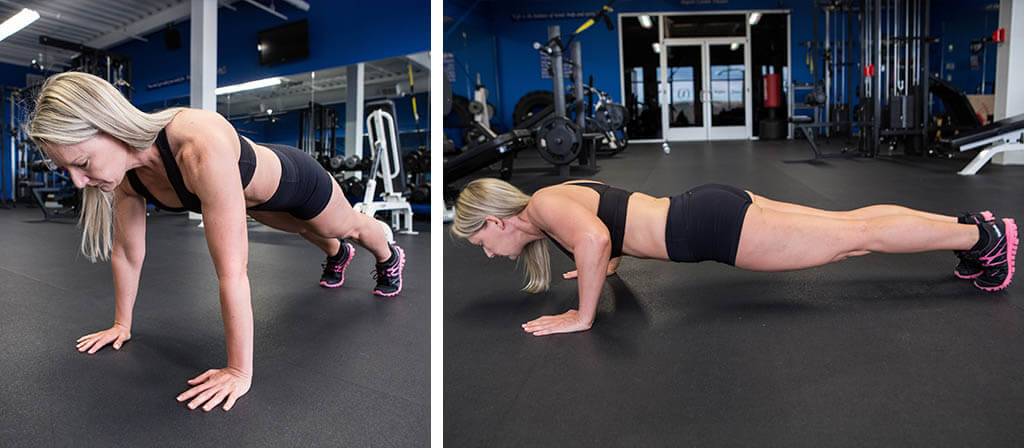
x: 395, y: 270
x: 1011, y: 255
x: 341, y: 267
x: 967, y: 277
x: 987, y: 215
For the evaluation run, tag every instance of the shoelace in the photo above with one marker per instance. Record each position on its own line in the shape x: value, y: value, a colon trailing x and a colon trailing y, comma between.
x: 332, y: 267
x: 992, y: 258
x: 382, y: 272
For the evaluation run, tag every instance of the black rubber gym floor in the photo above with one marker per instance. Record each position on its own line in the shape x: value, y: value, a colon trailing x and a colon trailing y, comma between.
x: 880, y: 350
x: 337, y: 367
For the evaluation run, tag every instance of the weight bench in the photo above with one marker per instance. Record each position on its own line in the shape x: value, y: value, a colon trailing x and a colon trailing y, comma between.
x: 1006, y: 135
x: 588, y: 154
x: 39, y: 191
x: 500, y: 148
x: 807, y: 126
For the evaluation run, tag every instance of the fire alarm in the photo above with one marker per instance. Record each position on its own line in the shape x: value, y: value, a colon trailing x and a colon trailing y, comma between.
x: 999, y: 35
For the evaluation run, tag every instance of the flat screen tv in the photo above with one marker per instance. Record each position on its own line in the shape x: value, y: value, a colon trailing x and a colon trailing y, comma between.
x: 285, y: 43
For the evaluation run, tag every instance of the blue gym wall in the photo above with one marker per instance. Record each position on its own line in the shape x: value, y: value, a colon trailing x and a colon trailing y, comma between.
x: 518, y: 72
x: 475, y: 50
x: 13, y: 75
x: 469, y: 38
x: 957, y: 24
x: 340, y: 33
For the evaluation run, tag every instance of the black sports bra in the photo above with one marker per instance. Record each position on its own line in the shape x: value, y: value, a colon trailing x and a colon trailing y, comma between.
x: 189, y: 201
x: 611, y: 210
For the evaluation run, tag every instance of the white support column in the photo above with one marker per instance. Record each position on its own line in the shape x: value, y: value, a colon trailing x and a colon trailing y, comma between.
x: 354, y: 100
x: 1009, y: 67
x: 203, y: 56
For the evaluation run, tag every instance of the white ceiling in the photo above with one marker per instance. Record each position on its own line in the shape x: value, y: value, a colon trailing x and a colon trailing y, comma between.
x: 94, y: 23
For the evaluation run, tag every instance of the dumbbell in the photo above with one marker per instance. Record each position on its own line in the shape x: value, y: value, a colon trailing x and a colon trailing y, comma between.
x: 420, y: 194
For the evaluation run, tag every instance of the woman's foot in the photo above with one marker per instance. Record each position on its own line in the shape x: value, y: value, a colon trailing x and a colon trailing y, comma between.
x: 389, y: 273
x: 968, y: 268
x: 334, y: 267
x: 997, y: 254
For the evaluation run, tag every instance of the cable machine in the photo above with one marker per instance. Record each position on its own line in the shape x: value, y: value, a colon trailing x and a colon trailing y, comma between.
x: 317, y: 127
x: 894, y: 85
x: 889, y: 40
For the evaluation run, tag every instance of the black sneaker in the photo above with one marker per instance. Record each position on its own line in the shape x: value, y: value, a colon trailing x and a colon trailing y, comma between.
x: 998, y: 257
x: 389, y: 274
x: 334, y: 267
x: 968, y: 268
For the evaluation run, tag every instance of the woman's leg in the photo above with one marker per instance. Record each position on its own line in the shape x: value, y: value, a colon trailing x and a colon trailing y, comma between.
x: 873, y: 211
x: 340, y: 220
x: 772, y: 240
x: 285, y: 222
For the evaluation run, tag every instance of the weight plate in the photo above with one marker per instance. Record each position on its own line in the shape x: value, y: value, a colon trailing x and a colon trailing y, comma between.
x: 559, y: 140
x: 351, y: 162
x: 337, y: 162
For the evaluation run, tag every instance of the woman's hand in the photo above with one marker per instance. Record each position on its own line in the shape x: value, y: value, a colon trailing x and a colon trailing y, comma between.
x: 216, y: 386
x: 118, y: 334
x: 567, y: 322
x: 573, y: 274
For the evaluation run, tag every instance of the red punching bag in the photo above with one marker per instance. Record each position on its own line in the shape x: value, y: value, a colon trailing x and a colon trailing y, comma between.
x: 772, y: 90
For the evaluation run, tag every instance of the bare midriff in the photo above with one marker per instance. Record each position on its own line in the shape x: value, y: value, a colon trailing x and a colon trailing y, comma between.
x: 645, y: 220
x: 265, y: 179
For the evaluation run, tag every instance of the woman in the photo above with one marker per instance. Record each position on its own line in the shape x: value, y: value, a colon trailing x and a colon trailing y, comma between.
x: 186, y: 159
x: 596, y: 224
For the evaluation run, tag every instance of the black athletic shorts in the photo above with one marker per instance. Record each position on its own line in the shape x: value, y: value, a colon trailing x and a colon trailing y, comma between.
x: 305, y: 187
x: 705, y: 223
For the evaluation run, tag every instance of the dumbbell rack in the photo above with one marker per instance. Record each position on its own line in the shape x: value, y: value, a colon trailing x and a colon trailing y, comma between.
x: 384, y: 141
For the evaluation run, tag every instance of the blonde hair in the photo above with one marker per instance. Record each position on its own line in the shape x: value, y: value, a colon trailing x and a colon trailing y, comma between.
x: 74, y: 107
x: 492, y: 197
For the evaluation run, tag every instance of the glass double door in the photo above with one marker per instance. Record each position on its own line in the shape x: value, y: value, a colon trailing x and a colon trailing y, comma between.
x: 705, y: 89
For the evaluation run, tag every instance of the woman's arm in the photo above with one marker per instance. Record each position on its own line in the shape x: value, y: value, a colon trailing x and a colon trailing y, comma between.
x: 128, y: 252
x: 126, y: 255
x: 211, y: 171
x: 587, y: 237
x: 613, y: 265
x: 591, y: 251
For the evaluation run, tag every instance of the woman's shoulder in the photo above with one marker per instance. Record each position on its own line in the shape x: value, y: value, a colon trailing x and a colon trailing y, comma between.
x: 554, y: 198
x: 193, y: 129
x: 546, y: 193
x: 196, y: 124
